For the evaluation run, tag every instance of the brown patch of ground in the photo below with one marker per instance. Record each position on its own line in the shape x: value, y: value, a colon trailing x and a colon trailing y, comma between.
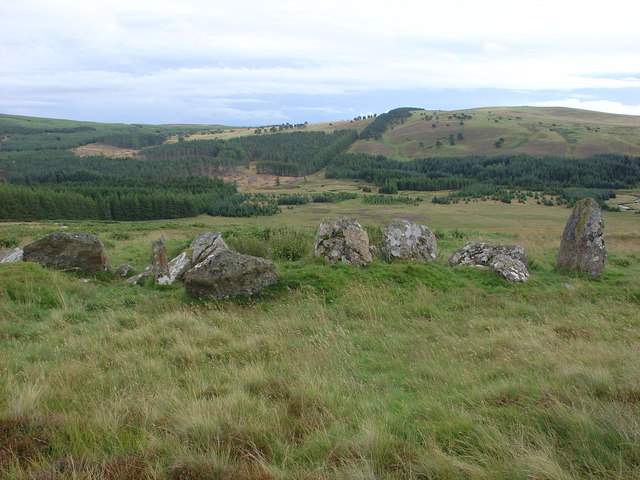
x: 97, y: 149
x: 248, y: 179
x: 372, y: 148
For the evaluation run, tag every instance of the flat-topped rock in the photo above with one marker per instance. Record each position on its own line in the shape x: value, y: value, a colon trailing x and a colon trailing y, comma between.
x: 582, y: 244
x: 509, y: 261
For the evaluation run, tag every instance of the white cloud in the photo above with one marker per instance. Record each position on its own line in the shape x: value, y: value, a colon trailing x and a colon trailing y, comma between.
x: 606, y: 106
x: 69, y: 51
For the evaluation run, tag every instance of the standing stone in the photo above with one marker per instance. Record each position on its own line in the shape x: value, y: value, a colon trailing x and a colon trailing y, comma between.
x: 582, y: 245
x: 160, y: 264
x: 14, y: 255
x: 342, y: 240
x: 205, y: 245
x: 229, y: 274
x: 508, y: 261
x: 404, y: 240
x: 70, y: 251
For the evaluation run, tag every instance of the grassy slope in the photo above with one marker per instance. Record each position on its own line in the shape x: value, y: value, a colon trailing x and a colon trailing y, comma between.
x: 393, y: 371
x: 531, y: 130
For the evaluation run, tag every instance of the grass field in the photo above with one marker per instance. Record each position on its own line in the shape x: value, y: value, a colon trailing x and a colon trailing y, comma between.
x: 399, y: 371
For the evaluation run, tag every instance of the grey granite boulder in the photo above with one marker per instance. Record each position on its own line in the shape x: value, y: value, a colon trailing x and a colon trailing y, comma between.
x: 342, y: 240
x: 582, y: 244
x: 229, y: 274
x: 509, y: 261
x: 68, y: 251
x: 404, y: 240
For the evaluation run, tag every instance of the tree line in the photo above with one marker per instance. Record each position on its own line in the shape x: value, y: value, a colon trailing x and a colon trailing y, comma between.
x: 606, y: 171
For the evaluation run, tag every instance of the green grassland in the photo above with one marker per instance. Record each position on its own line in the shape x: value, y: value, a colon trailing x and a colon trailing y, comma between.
x: 401, y: 371
x: 535, y: 131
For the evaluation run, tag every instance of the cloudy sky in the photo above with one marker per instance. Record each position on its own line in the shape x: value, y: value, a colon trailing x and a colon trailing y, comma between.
x: 255, y: 62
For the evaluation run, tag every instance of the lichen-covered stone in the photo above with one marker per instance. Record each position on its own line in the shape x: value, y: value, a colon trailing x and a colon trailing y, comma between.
x: 229, y: 274
x: 509, y: 268
x: 342, y: 240
x: 509, y: 261
x: 404, y: 240
x: 582, y: 244
x: 78, y: 251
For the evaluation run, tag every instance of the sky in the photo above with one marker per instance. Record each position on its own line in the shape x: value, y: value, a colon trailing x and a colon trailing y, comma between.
x: 256, y: 62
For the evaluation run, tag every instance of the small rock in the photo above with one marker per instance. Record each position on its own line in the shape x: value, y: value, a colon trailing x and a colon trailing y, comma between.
x: 509, y: 268
x: 568, y: 286
x: 123, y: 270
x: 136, y: 279
x: 14, y: 255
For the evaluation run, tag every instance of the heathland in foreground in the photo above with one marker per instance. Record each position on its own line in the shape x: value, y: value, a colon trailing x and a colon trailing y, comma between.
x: 391, y: 371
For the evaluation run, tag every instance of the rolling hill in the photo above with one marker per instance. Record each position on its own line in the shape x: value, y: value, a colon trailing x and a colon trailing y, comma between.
x: 536, y: 131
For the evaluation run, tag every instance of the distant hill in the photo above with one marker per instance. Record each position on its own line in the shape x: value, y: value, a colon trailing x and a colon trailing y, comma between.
x: 536, y: 131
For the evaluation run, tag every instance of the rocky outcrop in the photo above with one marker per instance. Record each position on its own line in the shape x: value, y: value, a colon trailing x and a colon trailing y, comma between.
x: 404, y: 240
x: 68, y: 251
x: 582, y: 244
x: 14, y: 255
x: 205, y: 245
x: 229, y: 274
x: 509, y: 261
x: 342, y: 240
x: 160, y: 267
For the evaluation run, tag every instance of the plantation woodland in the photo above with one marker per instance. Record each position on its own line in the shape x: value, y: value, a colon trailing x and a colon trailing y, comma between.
x: 43, y: 179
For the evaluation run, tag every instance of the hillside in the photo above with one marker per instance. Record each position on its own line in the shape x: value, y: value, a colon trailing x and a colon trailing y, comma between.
x: 535, y: 131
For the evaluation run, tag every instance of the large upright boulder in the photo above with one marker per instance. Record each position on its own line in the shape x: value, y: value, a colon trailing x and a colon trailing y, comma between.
x: 582, y: 244
x: 404, y: 240
x: 229, y: 274
x: 508, y: 261
x: 78, y: 251
x: 342, y: 240
x: 205, y: 245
